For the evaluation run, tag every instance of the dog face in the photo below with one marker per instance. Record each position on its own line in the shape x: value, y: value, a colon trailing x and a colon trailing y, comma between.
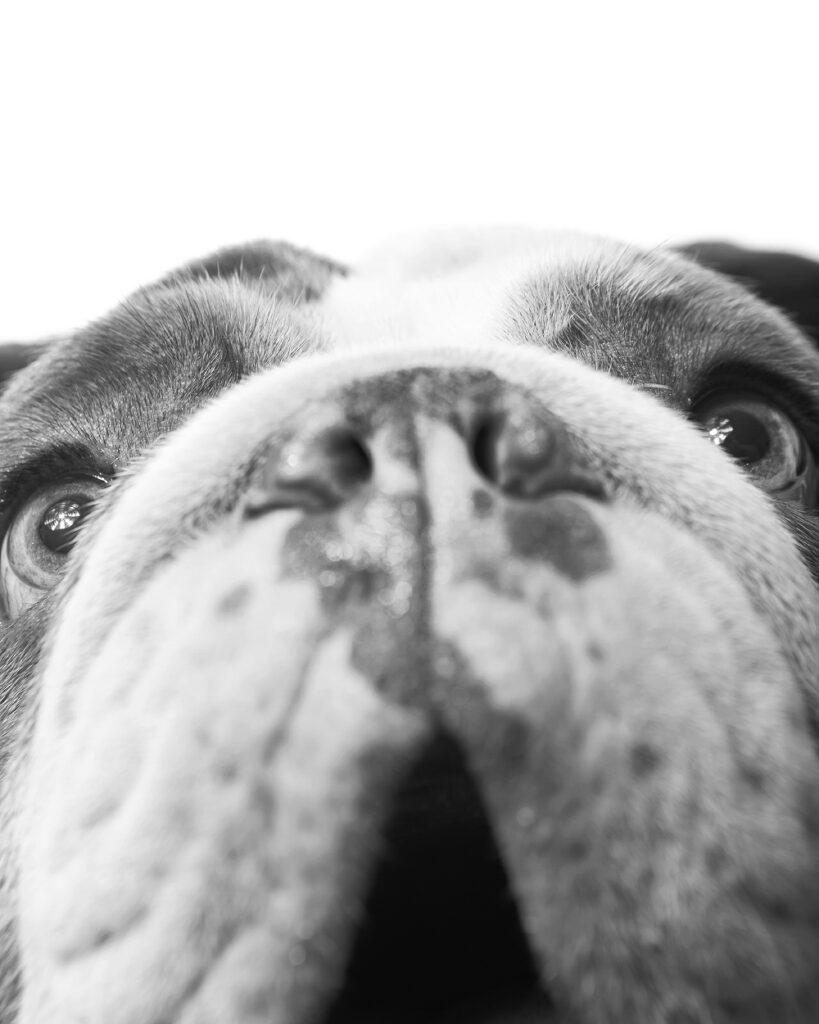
x: 433, y: 642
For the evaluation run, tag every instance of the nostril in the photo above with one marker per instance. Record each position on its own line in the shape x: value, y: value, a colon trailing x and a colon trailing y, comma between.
x: 347, y: 457
x: 315, y: 473
x: 485, y: 447
x: 527, y: 453
x: 516, y: 452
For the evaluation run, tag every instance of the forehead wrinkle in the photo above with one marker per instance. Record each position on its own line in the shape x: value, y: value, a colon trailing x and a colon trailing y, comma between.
x: 654, y: 319
x: 245, y: 326
x: 602, y: 310
x: 149, y: 364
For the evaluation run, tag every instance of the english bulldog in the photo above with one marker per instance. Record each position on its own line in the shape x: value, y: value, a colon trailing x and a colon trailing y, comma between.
x: 433, y: 642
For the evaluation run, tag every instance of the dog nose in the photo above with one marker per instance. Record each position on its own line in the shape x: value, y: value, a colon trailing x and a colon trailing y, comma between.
x: 512, y: 443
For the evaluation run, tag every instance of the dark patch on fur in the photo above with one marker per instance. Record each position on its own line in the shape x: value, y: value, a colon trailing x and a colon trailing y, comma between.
x: 753, y: 776
x: 717, y: 861
x: 786, y: 280
x: 359, y: 592
x: 561, y: 532
x: 234, y: 600
x: 644, y: 759
x: 482, y: 503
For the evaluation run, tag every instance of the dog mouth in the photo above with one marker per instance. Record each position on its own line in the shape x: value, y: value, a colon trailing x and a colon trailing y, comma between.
x: 440, y: 940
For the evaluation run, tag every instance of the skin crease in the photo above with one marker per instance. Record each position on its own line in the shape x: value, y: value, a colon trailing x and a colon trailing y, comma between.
x: 424, y: 660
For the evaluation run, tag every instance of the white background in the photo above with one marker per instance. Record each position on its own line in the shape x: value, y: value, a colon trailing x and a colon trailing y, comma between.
x: 137, y: 136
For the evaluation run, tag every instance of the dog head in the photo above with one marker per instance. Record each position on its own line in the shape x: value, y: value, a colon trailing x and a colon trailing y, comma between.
x: 435, y: 641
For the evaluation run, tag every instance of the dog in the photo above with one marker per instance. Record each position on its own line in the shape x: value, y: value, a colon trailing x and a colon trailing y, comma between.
x: 434, y: 641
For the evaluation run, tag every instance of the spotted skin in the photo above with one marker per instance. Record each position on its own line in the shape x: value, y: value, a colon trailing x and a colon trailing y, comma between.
x: 450, y: 512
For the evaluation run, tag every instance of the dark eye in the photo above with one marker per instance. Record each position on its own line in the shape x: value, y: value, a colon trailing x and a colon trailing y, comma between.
x: 40, y: 537
x: 763, y: 439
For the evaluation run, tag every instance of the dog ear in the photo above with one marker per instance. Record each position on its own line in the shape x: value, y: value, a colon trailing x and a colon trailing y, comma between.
x: 14, y: 357
x: 783, y: 279
x: 296, y: 274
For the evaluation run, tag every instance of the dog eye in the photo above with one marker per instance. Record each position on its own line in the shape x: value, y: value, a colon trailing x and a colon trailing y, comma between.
x: 762, y: 438
x: 40, y: 537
